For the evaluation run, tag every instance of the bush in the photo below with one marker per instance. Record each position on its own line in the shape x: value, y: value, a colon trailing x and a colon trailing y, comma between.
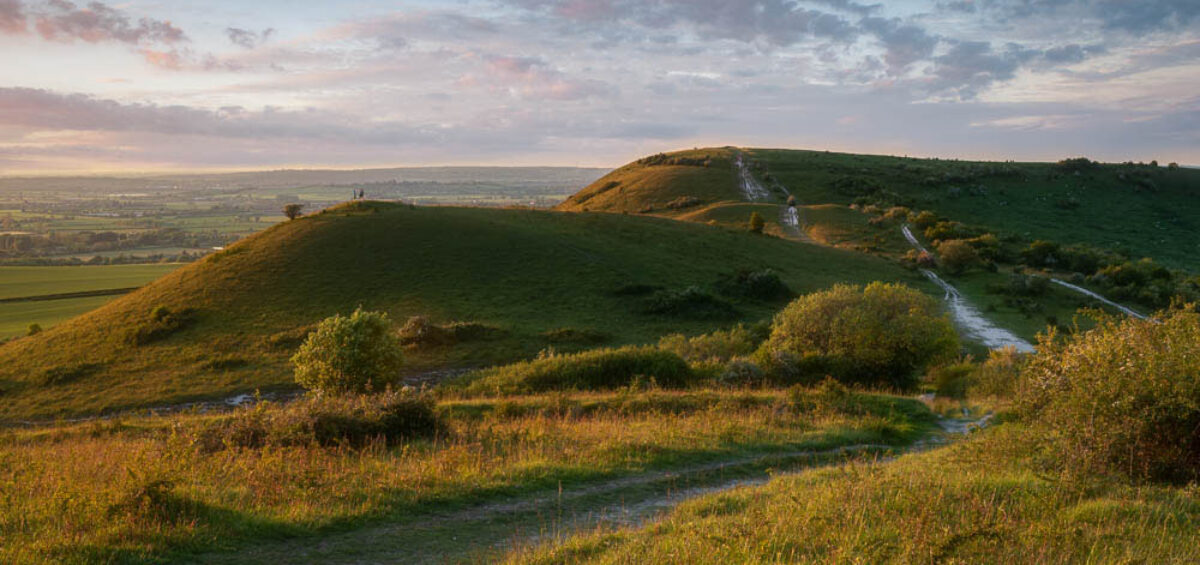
x: 351, y: 420
x: 690, y: 302
x: 33, y: 329
x: 881, y: 335
x: 161, y: 324
x: 418, y: 331
x: 349, y: 354
x: 68, y: 373
x: 957, y: 255
x: 953, y: 380
x: 741, y: 372
x: 757, y: 223
x: 760, y: 285
x: 575, y: 336
x: 717, y: 347
x: 997, y: 376
x: 589, y: 370
x: 1121, y: 399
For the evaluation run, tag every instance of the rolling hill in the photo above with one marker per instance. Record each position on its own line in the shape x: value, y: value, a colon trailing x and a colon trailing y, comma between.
x: 228, y: 323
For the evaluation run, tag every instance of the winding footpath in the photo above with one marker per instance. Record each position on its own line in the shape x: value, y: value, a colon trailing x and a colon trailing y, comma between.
x: 968, y: 318
x: 1124, y: 309
x: 473, y: 533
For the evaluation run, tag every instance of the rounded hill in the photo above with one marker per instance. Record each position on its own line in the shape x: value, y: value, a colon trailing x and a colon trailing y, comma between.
x: 517, y: 280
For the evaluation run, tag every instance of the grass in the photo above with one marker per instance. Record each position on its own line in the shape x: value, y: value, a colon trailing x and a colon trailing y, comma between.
x: 641, y: 188
x: 983, y: 500
x: 16, y: 282
x: 524, y: 272
x: 140, y: 490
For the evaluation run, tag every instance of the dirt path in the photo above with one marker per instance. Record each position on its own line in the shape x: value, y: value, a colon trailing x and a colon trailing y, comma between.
x: 753, y: 190
x: 968, y: 318
x: 1086, y: 292
x: 486, y: 530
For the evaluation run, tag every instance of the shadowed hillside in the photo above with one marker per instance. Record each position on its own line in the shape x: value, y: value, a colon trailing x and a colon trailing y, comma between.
x: 536, y: 279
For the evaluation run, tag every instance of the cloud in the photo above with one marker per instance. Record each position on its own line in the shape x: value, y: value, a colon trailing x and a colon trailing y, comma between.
x: 60, y: 20
x: 12, y: 17
x: 246, y: 38
x: 776, y: 23
x: 905, y: 44
x: 533, y: 78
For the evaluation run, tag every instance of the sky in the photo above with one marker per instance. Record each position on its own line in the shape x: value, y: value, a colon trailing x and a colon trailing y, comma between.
x: 161, y: 85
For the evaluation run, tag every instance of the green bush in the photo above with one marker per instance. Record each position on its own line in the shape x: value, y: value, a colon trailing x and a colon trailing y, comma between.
x: 690, y: 302
x: 351, y: 420
x: 349, y: 354
x: 952, y: 380
x: 161, y: 324
x: 759, y: 285
x: 575, y: 336
x: 997, y: 376
x: 1121, y: 399
x: 880, y: 335
x: 957, y: 255
x: 67, y: 373
x: 33, y: 329
x: 418, y: 331
x: 589, y: 370
x: 717, y: 347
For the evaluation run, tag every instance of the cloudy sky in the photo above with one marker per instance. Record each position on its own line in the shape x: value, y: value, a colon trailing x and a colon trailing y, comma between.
x: 145, y: 85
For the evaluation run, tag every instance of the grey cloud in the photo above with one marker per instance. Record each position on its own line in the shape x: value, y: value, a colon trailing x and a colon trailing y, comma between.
x: 12, y: 17
x: 60, y: 20
x: 905, y: 44
x: 970, y: 66
x: 248, y: 39
x: 1147, y: 15
x: 774, y: 22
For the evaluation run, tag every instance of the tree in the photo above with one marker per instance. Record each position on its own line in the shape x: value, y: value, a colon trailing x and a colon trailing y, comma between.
x: 292, y: 211
x: 957, y: 255
x: 880, y: 335
x: 352, y: 353
x: 757, y: 223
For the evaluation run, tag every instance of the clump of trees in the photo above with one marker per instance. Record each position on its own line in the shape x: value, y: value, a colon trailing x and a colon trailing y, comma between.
x: 879, y: 335
x: 354, y: 353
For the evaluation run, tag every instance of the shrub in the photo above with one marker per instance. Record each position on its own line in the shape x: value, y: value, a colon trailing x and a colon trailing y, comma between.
x: 957, y: 255
x: 761, y: 285
x: 161, y: 324
x: 575, y: 336
x: 420, y: 332
x: 882, y: 334
x: 33, y: 329
x: 349, y: 354
x: 351, y: 420
x: 997, y: 376
x: 589, y: 370
x: 1121, y: 399
x: 741, y: 372
x: 717, y: 347
x: 690, y: 302
x: 757, y: 223
x: 952, y: 380
x: 67, y: 373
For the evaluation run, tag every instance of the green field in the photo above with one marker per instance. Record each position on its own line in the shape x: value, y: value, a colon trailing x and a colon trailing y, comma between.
x: 18, y: 282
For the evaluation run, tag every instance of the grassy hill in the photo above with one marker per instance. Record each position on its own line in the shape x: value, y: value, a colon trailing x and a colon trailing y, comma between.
x: 229, y: 323
x: 662, y: 184
x: 1139, y: 210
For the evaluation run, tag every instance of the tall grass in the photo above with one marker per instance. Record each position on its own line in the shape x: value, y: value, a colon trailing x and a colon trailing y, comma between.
x: 978, y: 501
x: 147, y: 490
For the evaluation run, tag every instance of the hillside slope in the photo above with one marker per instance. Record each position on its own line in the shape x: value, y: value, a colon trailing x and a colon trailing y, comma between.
x: 663, y: 184
x: 523, y: 272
